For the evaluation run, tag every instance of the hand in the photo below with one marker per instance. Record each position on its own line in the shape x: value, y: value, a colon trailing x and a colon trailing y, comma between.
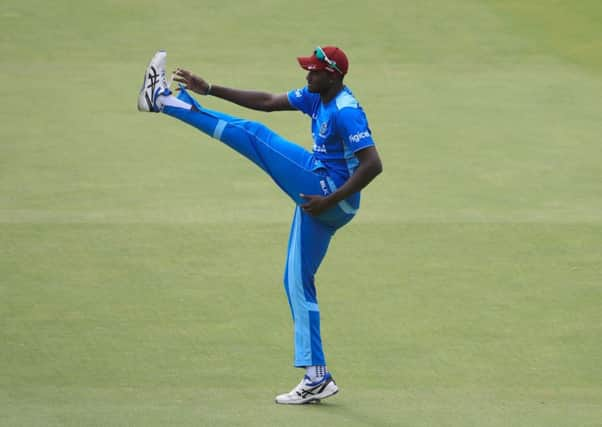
x: 315, y: 205
x: 191, y: 81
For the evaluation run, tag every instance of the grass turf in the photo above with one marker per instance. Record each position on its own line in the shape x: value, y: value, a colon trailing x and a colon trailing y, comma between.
x: 141, y: 263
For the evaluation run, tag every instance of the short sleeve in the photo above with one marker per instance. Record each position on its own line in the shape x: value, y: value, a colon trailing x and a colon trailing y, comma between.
x: 352, y: 126
x: 303, y: 100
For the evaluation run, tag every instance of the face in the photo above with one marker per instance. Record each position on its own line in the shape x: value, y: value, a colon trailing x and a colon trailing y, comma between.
x: 319, y: 81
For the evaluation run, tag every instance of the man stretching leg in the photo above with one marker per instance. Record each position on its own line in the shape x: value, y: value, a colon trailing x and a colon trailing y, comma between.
x: 324, y: 185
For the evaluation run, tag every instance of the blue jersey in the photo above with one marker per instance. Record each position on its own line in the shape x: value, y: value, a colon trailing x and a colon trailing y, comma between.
x: 339, y: 128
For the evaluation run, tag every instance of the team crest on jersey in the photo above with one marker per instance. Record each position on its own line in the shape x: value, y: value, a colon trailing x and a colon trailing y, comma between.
x: 323, y: 129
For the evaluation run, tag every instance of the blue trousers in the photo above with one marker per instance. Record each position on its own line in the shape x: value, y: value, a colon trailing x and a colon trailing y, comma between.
x: 295, y: 171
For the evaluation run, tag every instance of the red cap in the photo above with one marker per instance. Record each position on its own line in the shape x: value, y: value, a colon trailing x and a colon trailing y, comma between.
x: 333, y: 53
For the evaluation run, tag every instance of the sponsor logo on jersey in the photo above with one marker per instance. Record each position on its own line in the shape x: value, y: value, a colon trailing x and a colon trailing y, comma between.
x: 319, y: 148
x: 298, y: 93
x: 357, y: 137
x: 324, y: 187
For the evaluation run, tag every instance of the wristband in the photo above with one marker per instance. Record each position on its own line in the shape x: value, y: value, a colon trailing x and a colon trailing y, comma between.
x: 208, y: 90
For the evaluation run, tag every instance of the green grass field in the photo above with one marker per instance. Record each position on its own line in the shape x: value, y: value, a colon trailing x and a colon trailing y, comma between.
x: 141, y: 262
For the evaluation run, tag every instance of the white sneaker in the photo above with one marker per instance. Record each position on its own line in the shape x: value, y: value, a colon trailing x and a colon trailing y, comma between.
x: 308, y: 392
x: 154, y: 84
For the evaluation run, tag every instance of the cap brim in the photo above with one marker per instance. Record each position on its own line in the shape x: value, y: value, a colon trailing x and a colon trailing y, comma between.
x: 312, y: 63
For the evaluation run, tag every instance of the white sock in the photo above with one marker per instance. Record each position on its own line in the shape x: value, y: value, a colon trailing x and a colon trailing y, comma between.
x: 316, y: 372
x: 172, y: 101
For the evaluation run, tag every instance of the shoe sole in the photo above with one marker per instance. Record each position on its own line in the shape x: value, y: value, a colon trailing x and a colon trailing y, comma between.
x: 145, y: 103
x: 319, y: 400
x: 311, y: 400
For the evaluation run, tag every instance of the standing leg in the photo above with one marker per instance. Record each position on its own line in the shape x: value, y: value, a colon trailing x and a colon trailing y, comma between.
x: 307, y: 247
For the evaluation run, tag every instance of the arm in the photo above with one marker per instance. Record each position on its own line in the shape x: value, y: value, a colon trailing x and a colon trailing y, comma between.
x: 255, y: 100
x: 370, y: 166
